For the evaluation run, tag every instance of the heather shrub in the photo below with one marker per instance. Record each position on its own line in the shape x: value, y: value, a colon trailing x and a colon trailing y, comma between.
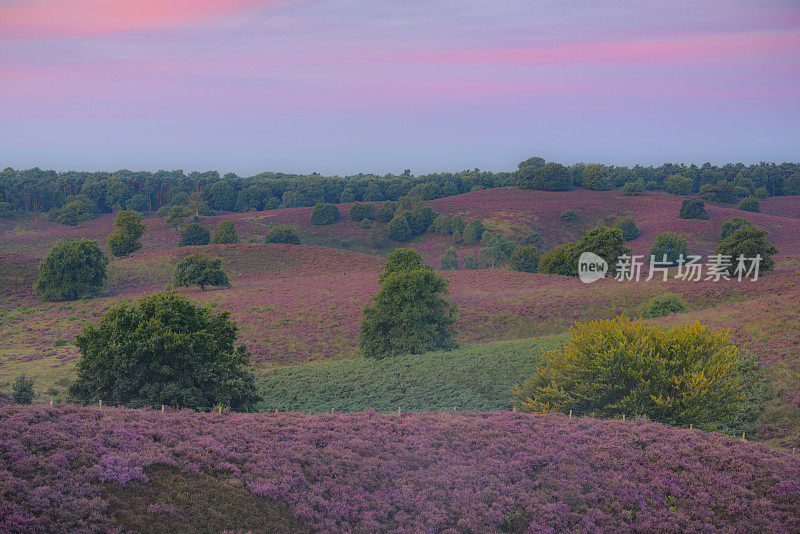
x: 73, y: 269
x: 325, y: 213
x: 410, y: 315
x: 525, y: 258
x: 163, y: 349
x: 693, y: 208
x: 22, y: 390
x: 628, y: 227
x: 750, y: 204
x: 201, y: 271
x: 450, y: 260
x: 473, y: 232
x: 224, y: 234
x: 124, y: 239
x: 663, y: 305
x: 731, y: 225
x: 194, y: 235
x: 362, y: 210
x: 748, y: 241
x: 671, y: 246
x: 679, y: 376
x: 283, y: 233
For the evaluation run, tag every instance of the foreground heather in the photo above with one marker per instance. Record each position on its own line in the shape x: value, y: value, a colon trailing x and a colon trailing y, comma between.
x: 412, y: 472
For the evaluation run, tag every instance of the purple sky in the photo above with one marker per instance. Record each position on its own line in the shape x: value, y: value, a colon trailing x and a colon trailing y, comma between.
x: 380, y: 86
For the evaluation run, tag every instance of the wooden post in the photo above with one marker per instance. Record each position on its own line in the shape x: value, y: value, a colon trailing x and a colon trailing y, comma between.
x: 514, y: 408
x: 570, y: 414
x: 331, y: 410
x: 454, y: 408
x: 101, y: 403
x: 623, y: 417
x: 743, y: 438
x: 691, y: 426
x: 162, y: 408
x: 276, y: 410
x: 398, y: 409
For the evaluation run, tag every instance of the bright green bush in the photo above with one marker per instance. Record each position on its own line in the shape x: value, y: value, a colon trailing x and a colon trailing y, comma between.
x: 663, y: 305
x: 678, y: 376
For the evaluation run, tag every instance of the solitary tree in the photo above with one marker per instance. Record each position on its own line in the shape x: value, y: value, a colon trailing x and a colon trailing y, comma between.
x: 325, y: 213
x: 693, y: 208
x: 193, y: 235
x: 124, y: 239
x: 410, y: 315
x: 282, y: 234
x: 73, y: 269
x: 164, y: 349
x: 22, y: 391
x: 178, y: 215
x: 750, y: 204
x: 225, y: 233
x: 201, y: 271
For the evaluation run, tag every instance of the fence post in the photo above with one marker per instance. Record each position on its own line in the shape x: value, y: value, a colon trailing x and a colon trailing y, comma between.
x: 454, y: 408
x: 570, y: 414
x: 162, y: 408
x: 743, y: 438
x: 691, y: 426
x: 623, y: 417
x: 51, y: 401
x: 331, y: 410
x: 398, y: 409
x: 100, y: 402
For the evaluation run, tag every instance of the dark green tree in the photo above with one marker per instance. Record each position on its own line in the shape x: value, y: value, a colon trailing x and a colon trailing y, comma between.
x: 750, y: 204
x: 525, y: 258
x: 225, y: 234
x: 409, y: 316
x: 671, y: 245
x: 73, y: 213
x: 222, y: 196
x: 606, y: 242
x: 283, y: 233
x: 400, y: 228
x: 362, y: 210
x: 677, y: 184
x: 73, y: 269
x: 124, y: 239
x: 386, y: 211
x: 628, y: 226
x: 748, y: 241
x: 693, y: 208
x: 548, y: 176
x: 597, y: 177
x: 22, y: 391
x: 164, y: 349
x: 450, y: 259
x: 731, y: 225
x: 325, y: 213
x: 6, y: 210
x: 473, y: 232
x: 178, y: 215
x: 199, y: 270
x: 194, y: 235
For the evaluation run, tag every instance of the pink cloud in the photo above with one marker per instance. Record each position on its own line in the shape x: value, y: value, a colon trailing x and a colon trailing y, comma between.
x: 680, y: 49
x: 42, y: 19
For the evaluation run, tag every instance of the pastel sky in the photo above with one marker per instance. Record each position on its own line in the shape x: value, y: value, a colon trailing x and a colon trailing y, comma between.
x: 342, y: 86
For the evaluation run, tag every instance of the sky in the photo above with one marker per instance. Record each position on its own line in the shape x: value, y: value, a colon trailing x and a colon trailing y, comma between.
x: 347, y: 86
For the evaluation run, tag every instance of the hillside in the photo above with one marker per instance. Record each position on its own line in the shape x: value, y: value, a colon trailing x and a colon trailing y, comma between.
x: 472, y: 472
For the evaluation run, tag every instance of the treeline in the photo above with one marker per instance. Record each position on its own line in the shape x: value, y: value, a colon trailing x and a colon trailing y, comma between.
x: 37, y: 191
x: 90, y: 193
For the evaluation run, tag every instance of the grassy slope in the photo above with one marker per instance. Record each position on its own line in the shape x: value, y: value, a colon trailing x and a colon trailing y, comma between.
x: 472, y: 379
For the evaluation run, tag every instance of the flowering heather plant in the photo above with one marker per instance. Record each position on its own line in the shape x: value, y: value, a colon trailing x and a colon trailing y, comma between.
x: 468, y: 472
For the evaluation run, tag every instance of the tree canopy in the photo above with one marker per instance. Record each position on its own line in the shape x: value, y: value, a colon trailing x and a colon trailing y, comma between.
x: 73, y: 269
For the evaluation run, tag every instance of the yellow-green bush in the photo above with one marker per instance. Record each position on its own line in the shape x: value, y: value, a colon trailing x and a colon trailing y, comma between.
x: 677, y: 376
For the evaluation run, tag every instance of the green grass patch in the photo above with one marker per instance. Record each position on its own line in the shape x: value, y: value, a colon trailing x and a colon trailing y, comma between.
x: 477, y: 378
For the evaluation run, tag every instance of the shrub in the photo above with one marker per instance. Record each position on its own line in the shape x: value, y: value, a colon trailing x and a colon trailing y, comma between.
x: 722, y: 191
x: 73, y: 269
x: 450, y: 259
x: 677, y: 184
x: 671, y: 245
x: 750, y: 204
x: 457, y: 224
x: 163, y: 349
x: 22, y: 391
x: 124, y: 239
x: 731, y: 225
x: 283, y: 233
x: 633, y: 188
x: 194, y: 235
x: 760, y: 192
x: 362, y: 210
x: 442, y: 225
x: 597, y: 177
x: 663, y: 305
x: 225, y: 234
x: 201, y: 271
x: 409, y: 315
x: 562, y: 260
x: 386, y: 211
x: 525, y: 258
x: 533, y: 239
x: 628, y: 227
x: 496, y: 250
x: 378, y: 239
x: 470, y: 263
x: 606, y: 242
x: 178, y: 215
x: 473, y: 232
x: 549, y: 177
x: 365, y: 224
x: 6, y: 210
x: 748, y: 241
x: 693, y: 208
x: 569, y: 216
x: 325, y: 213
x: 73, y: 213
x: 609, y: 368
x: 399, y: 227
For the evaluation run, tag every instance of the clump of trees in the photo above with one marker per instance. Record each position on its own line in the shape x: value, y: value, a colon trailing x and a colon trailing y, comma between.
x: 76, y: 210
x: 411, y: 222
x: 164, y: 349
x: 283, y: 233
x: 597, y: 177
x: 73, y: 269
x: 194, y: 235
x: 534, y: 173
x: 722, y: 191
x: 678, y: 376
x: 124, y: 239
x: 410, y: 315
x: 225, y: 234
x: 199, y: 270
x: 325, y: 213
x: 693, y: 208
x: 449, y: 260
x: 606, y: 242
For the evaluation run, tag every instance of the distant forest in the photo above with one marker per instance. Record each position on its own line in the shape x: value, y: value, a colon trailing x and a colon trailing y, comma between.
x: 35, y: 191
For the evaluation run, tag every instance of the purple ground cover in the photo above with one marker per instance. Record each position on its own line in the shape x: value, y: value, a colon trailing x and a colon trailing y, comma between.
x: 425, y: 472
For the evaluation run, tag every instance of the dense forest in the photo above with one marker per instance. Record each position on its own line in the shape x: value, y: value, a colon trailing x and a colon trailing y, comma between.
x: 82, y: 195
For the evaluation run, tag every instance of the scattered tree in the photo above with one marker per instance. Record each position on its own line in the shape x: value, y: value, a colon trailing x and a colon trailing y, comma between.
x: 164, y: 349
x: 409, y: 316
x: 671, y: 246
x: 194, y: 235
x: 535, y: 174
x: 283, y: 233
x: 628, y: 227
x: 73, y: 269
x: 597, y: 177
x: 750, y: 204
x: 201, y: 271
x: 525, y: 258
x: 731, y: 225
x: 677, y: 184
x: 386, y: 211
x: 124, y: 239
x: 325, y: 213
x: 473, y: 232
x: 362, y: 210
x: 470, y: 263
x: 450, y: 259
x: 178, y: 215
x: 225, y: 234
x: 22, y: 391
x: 693, y: 208
x: 748, y: 241
x: 663, y: 305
